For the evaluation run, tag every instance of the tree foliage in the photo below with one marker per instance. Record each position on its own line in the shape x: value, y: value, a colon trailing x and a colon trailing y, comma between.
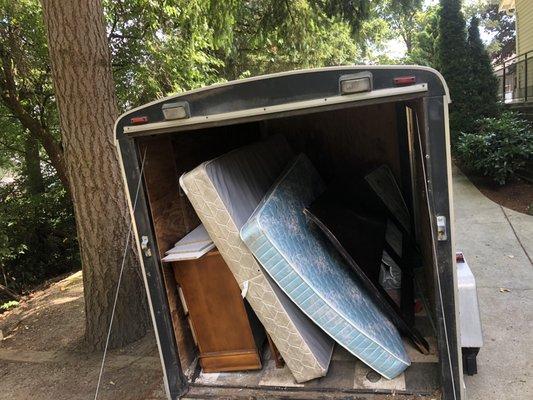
x: 163, y: 47
x: 354, y: 12
x: 182, y: 45
x: 265, y: 41
x: 453, y: 62
x: 483, y: 84
x: 502, y: 26
x: 372, y: 38
x: 425, y: 46
x: 401, y: 15
x: 37, y: 234
x: 414, y: 24
x: 26, y: 92
x: 157, y: 48
x: 499, y: 26
x: 466, y: 66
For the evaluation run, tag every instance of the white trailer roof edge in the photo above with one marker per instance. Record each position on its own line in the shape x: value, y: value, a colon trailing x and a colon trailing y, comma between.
x: 280, y: 108
x: 286, y: 73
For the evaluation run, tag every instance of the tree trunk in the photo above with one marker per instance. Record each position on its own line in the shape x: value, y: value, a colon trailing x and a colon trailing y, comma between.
x: 32, y: 165
x: 85, y: 92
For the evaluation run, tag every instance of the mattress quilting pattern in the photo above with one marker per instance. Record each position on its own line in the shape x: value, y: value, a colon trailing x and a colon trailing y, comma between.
x: 305, y: 349
x: 312, y: 273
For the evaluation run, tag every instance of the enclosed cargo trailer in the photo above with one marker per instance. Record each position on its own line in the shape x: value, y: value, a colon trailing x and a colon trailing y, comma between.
x: 345, y: 119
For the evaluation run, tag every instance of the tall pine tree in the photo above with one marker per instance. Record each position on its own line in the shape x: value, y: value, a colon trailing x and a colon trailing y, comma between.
x: 482, y: 81
x: 453, y: 63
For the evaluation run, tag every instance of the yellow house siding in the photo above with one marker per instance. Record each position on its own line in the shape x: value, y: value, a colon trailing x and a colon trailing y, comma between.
x: 524, y: 26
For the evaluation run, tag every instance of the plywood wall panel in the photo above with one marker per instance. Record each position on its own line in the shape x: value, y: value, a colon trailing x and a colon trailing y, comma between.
x: 354, y: 139
x: 167, y: 209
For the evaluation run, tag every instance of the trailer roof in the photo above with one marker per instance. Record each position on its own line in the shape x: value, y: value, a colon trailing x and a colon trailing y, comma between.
x: 299, y: 86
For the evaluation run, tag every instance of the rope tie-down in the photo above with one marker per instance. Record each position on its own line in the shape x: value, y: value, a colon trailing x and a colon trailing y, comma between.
x: 125, y: 253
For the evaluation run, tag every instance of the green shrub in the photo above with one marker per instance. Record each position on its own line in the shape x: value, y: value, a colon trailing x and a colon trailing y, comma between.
x: 499, y: 148
x: 37, y: 235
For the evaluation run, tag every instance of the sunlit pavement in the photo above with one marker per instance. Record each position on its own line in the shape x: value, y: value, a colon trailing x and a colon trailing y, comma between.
x: 498, y: 245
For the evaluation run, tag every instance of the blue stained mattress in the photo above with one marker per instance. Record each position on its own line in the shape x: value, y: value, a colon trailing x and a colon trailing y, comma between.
x: 312, y: 273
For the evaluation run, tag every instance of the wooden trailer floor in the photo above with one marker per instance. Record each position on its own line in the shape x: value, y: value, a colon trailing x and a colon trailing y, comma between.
x: 347, y: 378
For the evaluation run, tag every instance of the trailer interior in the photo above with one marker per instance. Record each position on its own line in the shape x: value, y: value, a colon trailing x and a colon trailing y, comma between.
x: 351, y: 137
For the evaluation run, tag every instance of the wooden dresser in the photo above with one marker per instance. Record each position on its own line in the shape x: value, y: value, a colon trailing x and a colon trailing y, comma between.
x: 227, y: 332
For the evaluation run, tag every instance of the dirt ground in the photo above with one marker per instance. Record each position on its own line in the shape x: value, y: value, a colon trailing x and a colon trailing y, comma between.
x: 42, y: 355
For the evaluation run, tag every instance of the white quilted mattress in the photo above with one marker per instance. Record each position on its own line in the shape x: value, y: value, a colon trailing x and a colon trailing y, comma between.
x: 224, y: 192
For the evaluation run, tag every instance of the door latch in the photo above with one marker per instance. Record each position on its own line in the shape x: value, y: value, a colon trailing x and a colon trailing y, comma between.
x: 442, y: 233
x: 144, y: 246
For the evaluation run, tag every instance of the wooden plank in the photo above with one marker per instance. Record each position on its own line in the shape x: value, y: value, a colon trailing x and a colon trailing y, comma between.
x: 421, y: 212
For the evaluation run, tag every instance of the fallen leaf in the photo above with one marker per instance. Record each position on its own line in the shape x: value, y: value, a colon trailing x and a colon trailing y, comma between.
x: 502, y: 290
x: 510, y: 256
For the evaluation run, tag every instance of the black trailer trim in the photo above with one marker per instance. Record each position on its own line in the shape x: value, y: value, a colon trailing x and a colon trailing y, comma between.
x: 176, y: 382
x: 438, y: 187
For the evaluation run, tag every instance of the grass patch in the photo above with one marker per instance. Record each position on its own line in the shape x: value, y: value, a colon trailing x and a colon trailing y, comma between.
x: 9, y: 305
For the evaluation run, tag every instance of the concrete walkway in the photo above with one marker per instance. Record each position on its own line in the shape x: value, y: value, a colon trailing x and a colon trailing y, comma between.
x: 498, y: 245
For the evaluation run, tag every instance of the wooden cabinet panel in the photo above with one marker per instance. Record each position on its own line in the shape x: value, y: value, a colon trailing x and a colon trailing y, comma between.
x: 221, y: 324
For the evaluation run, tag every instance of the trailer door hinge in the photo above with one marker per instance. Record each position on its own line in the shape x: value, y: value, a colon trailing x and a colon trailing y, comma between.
x: 144, y: 246
x: 442, y: 233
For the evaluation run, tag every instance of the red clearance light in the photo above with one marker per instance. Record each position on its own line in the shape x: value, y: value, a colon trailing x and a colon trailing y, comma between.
x: 404, y: 80
x: 139, y: 120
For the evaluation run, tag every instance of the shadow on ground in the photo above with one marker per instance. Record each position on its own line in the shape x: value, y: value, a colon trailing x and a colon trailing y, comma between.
x: 41, y: 356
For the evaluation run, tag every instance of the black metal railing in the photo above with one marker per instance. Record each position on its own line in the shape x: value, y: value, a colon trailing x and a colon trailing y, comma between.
x: 515, y: 78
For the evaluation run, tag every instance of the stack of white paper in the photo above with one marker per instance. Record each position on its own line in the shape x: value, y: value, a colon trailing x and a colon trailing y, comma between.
x: 193, y: 246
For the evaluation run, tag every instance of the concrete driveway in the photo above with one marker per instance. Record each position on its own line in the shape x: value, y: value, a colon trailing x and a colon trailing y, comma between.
x: 498, y: 245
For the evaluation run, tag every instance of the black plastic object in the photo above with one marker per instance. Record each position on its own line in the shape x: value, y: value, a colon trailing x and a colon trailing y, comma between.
x: 352, y: 218
x: 469, y: 360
